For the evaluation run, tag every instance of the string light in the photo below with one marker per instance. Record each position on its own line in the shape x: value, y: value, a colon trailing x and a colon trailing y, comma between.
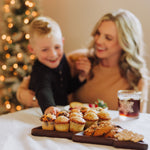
x: 7, y: 55
x: 2, y: 78
x: 27, y: 12
x: 32, y: 57
x: 29, y: 4
x: 12, y: 2
x: 18, y: 107
x: 8, y: 38
x: 19, y: 55
x: 4, y: 37
x: 27, y: 36
x: 10, y: 42
x: 5, y: 47
x: 11, y: 69
x: 26, y: 20
x: 4, y: 67
x: 8, y: 106
x: 10, y: 25
x: 15, y: 73
x: 34, y: 13
x: 15, y: 66
x: 6, y: 8
x: 25, y: 67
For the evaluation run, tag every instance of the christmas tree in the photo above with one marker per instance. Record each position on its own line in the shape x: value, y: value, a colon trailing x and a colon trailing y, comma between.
x: 15, y: 60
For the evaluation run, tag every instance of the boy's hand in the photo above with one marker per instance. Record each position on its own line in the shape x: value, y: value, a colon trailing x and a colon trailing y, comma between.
x: 52, y: 110
x: 83, y: 65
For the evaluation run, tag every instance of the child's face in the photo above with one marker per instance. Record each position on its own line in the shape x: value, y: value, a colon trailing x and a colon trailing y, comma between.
x: 49, y: 50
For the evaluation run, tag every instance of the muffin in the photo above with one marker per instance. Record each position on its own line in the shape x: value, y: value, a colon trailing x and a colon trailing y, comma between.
x: 77, y: 124
x: 92, y: 110
x: 48, y: 121
x: 90, y: 118
x: 84, y: 109
x: 98, y: 109
x: 62, y: 124
x: 103, y: 115
x: 75, y: 114
x: 63, y: 113
x: 75, y: 110
x: 76, y: 105
x: 76, y: 56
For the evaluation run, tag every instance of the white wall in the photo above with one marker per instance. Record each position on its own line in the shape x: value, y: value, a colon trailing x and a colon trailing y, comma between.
x: 77, y: 18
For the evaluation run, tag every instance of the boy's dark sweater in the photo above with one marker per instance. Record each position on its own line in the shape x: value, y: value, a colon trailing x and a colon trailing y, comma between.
x: 53, y: 85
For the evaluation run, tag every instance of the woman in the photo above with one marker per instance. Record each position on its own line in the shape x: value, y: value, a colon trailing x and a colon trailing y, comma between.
x: 117, y: 63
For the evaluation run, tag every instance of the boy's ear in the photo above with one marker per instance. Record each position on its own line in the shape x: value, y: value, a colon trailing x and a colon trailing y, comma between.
x: 30, y: 49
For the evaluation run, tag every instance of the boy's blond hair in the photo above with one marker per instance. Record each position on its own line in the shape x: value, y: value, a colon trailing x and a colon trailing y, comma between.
x: 42, y: 26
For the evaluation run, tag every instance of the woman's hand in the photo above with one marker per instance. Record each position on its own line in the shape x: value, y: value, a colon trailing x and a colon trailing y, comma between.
x: 25, y: 96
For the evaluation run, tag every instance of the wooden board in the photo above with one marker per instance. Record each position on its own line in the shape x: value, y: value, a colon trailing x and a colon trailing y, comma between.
x: 79, y: 137
x: 38, y: 131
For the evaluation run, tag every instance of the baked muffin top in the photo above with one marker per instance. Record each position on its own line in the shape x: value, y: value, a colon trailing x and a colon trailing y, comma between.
x: 61, y: 120
x: 75, y: 110
x: 84, y: 109
x: 92, y: 110
x: 75, y: 114
x: 48, y: 117
x: 104, y: 115
x: 62, y: 113
x: 90, y: 116
x: 78, y: 120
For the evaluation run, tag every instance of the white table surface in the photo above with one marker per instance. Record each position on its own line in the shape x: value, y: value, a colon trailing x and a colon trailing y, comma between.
x: 15, y: 132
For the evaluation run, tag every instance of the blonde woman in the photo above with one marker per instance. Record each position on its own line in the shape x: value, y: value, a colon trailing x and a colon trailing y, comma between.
x: 116, y: 53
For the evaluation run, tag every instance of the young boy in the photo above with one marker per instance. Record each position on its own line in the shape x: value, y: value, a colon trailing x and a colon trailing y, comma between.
x: 51, y: 78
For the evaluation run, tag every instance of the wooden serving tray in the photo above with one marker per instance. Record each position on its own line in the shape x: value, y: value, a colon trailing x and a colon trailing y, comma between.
x: 38, y: 131
x: 80, y: 137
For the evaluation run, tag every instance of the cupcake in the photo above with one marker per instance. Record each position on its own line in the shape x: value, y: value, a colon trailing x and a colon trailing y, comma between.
x: 76, y: 105
x: 103, y: 115
x: 75, y: 114
x: 75, y: 110
x: 84, y: 109
x: 62, y: 124
x: 77, y: 124
x: 90, y: 118
x: 48, y: 121
x: 92, y: 110
x: 76, y: 56
x: 62, y: 113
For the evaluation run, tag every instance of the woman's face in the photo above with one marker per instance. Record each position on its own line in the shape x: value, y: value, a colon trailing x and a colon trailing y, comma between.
x: 107, y: 47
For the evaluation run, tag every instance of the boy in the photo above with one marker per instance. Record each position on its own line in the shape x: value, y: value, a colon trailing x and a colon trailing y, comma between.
x: 51, y: 78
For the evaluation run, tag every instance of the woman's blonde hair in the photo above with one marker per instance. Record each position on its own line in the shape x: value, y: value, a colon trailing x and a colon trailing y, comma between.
x: 43, y: 25
x: 130, y: 37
